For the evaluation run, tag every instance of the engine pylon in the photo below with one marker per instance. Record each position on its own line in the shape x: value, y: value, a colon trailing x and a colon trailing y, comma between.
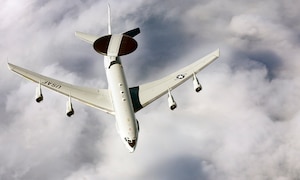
x: 197, y: 85
x: 69, y: 108
x: 38, y: 94
x: 171, y: 101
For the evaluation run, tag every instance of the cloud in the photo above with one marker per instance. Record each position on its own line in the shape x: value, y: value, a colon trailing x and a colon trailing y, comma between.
x: 243, y: 125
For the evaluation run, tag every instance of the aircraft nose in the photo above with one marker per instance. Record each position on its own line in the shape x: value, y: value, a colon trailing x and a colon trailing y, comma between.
x: 132, y: 143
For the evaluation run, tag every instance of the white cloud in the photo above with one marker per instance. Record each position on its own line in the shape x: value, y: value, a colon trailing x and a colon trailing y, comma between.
x: 243, y: 125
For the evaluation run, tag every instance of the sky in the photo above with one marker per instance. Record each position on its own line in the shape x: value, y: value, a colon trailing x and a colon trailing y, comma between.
x: 244, y: 124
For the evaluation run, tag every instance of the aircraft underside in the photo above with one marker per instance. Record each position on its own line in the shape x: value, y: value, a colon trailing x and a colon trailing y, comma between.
x: 119, y: 100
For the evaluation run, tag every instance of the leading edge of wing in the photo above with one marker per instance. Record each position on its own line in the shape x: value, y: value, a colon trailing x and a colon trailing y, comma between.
x: 97, y: 98
x: 145, y: 94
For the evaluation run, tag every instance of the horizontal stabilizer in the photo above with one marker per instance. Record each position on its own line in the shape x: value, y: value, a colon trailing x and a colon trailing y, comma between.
x: 133, y: 32
x: 86, y: 37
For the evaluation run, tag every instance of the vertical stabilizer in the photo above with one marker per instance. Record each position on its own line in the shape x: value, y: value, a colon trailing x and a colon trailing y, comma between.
x: 109, y: 19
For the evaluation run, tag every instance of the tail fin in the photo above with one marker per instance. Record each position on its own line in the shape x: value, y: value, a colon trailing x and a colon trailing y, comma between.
x: 91, y: 39
x: 130, y: 33
x: 109, y: 19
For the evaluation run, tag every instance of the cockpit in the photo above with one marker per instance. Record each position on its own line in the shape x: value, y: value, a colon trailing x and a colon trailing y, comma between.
x: 132, y: 143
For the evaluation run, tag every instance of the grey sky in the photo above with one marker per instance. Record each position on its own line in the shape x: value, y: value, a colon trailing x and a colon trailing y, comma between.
x: 243, y: 125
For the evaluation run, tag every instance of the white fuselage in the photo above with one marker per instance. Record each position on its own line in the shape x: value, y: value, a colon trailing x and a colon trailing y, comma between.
x: 126, y: 122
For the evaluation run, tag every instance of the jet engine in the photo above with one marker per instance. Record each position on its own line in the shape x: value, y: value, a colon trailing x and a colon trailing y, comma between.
x: 172, y: 103
x: 69, y: 108
x: 197, y: 85
x: 38, y: 94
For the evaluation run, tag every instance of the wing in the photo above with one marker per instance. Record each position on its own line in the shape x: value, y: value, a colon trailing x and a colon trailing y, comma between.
x: 144, y: 94
x: 98, y: 98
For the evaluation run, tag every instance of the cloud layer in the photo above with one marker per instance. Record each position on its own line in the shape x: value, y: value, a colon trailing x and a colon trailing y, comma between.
x: 243, y: 125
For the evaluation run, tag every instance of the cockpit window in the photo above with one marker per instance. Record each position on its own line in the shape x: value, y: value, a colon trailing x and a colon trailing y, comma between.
x: 131, y: 143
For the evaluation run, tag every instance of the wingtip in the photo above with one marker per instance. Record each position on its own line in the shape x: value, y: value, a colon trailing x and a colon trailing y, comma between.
x: 217, y: 52
x: 77, y: 34
x: 9, y: 66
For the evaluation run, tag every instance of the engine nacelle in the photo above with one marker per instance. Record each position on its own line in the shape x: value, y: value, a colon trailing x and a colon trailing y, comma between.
x: 197, y: 85
x: 69, y: 108
x: 38, y: 94
x: 171, y: 101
